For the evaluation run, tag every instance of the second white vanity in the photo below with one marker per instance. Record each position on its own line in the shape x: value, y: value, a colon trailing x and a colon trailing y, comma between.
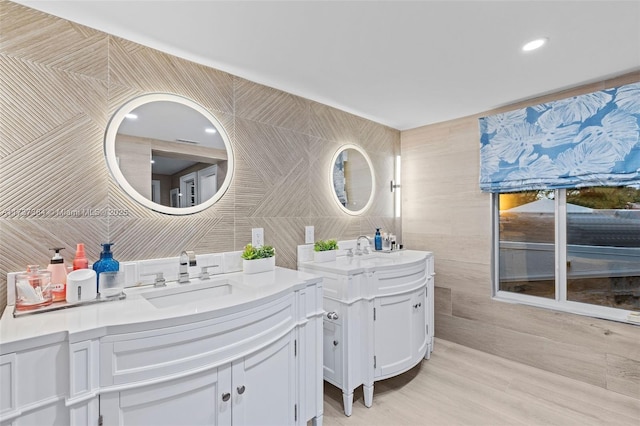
x: 379, y: 316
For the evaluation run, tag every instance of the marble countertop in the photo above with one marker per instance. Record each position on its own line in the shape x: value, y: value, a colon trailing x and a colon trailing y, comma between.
x: 137, y: 312
x: 345, y: 265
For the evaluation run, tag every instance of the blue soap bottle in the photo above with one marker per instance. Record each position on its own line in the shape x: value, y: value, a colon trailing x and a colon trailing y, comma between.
x: 106, y: 263
x: 377, y: 239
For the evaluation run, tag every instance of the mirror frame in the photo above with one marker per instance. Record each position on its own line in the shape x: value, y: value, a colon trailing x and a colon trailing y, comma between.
x: 112, y: 162
x: 373, y: 179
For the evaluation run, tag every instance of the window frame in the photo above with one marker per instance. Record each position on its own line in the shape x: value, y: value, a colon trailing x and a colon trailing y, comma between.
x: 560, y: 302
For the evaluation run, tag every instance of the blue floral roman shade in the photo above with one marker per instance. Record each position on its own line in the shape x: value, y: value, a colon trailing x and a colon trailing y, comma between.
x: 586, y: 140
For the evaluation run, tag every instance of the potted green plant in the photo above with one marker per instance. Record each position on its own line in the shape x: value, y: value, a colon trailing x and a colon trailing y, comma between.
x: 258, y: 259
x: 325, y: 250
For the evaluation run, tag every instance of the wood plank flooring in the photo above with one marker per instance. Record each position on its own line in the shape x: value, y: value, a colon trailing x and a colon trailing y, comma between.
x: 463, y: 386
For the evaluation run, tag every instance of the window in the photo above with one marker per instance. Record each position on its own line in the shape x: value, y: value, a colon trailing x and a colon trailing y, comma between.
x: 576, y: 250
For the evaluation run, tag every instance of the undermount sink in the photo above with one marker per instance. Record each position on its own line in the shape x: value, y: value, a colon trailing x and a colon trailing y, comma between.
x: 189, y: 293
x: 378, y: 259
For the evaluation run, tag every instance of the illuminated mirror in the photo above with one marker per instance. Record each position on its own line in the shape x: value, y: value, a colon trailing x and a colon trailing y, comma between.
x: 169, y: 153
x: 352, y: 179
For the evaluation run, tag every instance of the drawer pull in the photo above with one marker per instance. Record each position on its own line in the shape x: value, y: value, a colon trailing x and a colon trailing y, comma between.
x: 335, y: 343
x: 241, y: 389
x: 226, y: 396
x: 417, y: 305
x: 332, y: 316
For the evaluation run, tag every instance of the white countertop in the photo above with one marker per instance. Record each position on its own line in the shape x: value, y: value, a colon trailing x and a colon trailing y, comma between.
x: 345, y: 265
x: 136, y: 312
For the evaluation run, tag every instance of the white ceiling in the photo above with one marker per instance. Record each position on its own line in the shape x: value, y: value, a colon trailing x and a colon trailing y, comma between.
x: 402, y: 64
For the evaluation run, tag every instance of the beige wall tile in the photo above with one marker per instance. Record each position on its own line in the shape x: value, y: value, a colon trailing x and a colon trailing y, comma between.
x: 445, y: 212
x: 63, y: 83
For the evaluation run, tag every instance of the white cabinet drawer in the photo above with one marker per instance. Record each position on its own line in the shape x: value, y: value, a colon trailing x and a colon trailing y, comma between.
x: 400, y: 280
x: 153, y: 354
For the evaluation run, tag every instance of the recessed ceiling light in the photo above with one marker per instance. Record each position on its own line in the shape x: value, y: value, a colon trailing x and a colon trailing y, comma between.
x: 131, y: 116
x: 210, y: 130
x: 534, y: 44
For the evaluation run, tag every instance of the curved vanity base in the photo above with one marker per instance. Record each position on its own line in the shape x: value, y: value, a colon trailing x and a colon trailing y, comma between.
x: 347, y: 401
x: 378, y: 320
x: 368, y: 395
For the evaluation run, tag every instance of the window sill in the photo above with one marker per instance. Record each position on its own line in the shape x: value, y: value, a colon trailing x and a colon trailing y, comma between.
x: 594, y: 311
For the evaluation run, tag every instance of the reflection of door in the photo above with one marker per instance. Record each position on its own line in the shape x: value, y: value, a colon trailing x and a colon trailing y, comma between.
x: 207, y: 182
x: 188, y: 190
x: 155, y: 191
x: 175, y: 197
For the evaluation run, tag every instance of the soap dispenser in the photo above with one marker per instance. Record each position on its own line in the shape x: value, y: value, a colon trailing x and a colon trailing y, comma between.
x: 80, y: 260
x: 58, y: 276
x: 377, y: 239
x: 106, y: 263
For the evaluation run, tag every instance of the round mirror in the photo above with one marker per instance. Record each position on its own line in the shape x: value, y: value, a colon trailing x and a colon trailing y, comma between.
x: 169, y: 153
x: 352, y: 180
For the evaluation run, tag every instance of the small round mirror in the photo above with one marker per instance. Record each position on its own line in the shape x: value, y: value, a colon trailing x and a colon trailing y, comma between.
x: 352, y: 180
x: 169, y: 153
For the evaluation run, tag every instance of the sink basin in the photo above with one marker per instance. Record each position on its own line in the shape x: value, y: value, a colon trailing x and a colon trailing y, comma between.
x: 189, y: 293
x: 378, y: 259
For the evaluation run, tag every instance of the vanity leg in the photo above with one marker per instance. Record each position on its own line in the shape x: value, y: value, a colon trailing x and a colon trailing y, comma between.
x: 368, y: 395
x: 316, y: 421
x: 347, y: 400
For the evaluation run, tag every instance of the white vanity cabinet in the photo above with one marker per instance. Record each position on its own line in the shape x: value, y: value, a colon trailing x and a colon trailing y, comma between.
x: 258, y: 389
x: 379, y: 317
x: 399, y: 332
x: 33, y: 385
x: 252, y: 360
x: 222, y: 371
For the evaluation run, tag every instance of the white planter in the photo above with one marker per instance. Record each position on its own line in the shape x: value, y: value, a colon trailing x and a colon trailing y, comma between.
x: 324, y: 256
x: 258, y: 265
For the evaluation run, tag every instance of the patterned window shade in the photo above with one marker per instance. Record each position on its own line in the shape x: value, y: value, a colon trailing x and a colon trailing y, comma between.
x: 586, y: 140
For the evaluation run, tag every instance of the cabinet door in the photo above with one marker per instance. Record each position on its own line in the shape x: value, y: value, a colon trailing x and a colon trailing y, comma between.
x: 393, y: 334
x: 332, y: 352
x: 192, y: 400
x: 419, y: 326
x: 263, y: 386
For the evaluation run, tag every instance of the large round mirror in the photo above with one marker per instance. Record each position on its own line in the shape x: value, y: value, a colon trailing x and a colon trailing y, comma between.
x: 352, y: 180
x: 169, y: 153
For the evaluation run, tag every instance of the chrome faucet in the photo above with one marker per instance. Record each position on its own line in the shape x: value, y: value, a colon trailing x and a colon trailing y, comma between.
x: 359, y: 251
x: 204, y: 274
x: 159, y: 280
x: 187, y: 258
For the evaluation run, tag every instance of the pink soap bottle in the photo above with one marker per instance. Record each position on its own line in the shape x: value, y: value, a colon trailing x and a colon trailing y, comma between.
x: 58, y: 276
x: 80, y: 261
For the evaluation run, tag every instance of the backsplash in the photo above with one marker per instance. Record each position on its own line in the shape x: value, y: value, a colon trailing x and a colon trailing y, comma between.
x: 60, y: 84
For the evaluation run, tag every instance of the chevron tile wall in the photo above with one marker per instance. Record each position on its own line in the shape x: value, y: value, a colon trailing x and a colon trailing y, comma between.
x: 60, y: 83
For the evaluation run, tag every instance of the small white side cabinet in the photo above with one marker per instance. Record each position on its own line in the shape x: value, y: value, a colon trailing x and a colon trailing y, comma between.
x: 257, y: 363
x: 379, y: 318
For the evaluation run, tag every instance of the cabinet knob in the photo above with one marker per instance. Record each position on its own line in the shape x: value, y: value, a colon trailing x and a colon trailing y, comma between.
x: 417, y: 305
x: 335, y: 343
x: 241, y: 389
x: 226, y: 396
x: 332, y: 315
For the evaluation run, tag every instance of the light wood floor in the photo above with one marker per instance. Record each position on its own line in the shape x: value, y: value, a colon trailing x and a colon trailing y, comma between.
x: 462, y: 386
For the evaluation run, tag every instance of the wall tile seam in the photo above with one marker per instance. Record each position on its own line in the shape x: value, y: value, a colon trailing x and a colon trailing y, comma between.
x: 51, y: 67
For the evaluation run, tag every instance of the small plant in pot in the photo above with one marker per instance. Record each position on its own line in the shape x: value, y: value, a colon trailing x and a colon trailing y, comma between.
x: 258, y: 259
x: 325, y: 250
